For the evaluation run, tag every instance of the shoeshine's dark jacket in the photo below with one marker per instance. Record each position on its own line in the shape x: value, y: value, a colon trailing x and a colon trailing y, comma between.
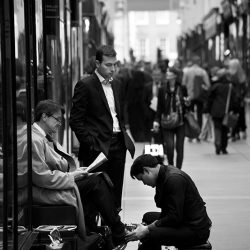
x: 180, y: 201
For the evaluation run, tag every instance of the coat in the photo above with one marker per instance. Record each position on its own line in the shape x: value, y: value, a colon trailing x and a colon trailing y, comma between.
x: 52, y: 184
x: 180, y: 202
x: 217, y: 99
x: 91, y: 119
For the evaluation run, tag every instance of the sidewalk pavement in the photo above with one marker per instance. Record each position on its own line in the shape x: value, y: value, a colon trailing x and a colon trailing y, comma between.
x: 223, y: 182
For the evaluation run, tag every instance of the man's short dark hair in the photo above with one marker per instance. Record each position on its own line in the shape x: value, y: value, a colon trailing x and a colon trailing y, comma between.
x: 48, y: 107
x: 142, y: 161
x: 104, y: 50
x: 196, y: 60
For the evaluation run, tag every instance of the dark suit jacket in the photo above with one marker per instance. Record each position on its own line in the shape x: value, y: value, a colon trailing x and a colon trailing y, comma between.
x: 91, y: 118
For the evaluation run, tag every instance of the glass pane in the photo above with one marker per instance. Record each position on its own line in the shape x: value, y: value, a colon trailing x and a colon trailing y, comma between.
x: 21, y: 106
x: 1, y: 152
x: 39, y: 51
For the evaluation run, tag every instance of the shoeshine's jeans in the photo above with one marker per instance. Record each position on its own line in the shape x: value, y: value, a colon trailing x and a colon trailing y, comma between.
x: 168, y: 236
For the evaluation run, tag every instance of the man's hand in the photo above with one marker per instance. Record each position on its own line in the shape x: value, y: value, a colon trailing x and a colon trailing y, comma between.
x: 187, y: 101
x: 156, y: 126
x: 79, y: 173
x: 140, y: 232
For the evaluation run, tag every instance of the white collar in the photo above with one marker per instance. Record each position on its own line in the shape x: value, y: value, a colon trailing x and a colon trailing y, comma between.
x: 39, y: 128
x: 100, y: 77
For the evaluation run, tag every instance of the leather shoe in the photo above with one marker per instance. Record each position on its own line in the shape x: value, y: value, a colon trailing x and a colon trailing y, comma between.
x: 120, y: 247
x: 120, y: 240
x: 224, y: 151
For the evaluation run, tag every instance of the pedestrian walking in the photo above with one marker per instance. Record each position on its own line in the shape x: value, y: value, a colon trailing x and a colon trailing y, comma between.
x: 196, y: 80
x: 216, y: 107
x: 171, y: 107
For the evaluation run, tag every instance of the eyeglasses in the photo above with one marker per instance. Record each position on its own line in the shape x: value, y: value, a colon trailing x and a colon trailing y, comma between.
x: 57, y: 119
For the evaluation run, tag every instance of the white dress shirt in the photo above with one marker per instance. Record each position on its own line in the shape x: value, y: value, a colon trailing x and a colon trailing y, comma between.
x: 108, y: 91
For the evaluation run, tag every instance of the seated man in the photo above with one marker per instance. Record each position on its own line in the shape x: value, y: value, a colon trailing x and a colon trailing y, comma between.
x: 183, y: 220
x: 57, y: 180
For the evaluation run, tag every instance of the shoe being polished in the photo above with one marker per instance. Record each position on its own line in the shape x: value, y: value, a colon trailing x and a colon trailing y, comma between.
x: 120, y: 247
x: 120, y: 240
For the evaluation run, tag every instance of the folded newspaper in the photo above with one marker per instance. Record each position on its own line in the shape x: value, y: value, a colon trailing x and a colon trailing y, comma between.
x: 99, y: 160
x: 56, y: 240
x: 48, y: 228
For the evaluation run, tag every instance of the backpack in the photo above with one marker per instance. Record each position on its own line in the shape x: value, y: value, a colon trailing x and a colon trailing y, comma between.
x: 199, y: 92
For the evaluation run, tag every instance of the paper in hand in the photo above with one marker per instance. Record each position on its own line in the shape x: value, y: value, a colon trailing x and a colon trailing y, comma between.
x: 100, y: 159
x: 153, y: 104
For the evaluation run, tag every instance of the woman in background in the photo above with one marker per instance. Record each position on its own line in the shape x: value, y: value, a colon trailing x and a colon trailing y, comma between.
x: 216, y: 107
x: 172, y: 98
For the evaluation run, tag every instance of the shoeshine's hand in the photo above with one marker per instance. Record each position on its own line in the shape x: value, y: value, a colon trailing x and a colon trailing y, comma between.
x: 140, y: 232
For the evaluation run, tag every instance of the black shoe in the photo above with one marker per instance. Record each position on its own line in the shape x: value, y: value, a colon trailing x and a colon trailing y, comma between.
x: 120, y: 247
x: 130, y: 227
x: 217, y: 151
x: 224, y: 151
x: 119, y: 239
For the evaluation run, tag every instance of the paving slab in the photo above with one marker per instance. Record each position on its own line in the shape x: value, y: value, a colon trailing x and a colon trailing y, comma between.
x: 224, y: 183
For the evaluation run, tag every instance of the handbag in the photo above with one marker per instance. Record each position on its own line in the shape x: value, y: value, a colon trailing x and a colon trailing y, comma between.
x: 230, y: 119
x: 192, y: 128
x: 170, y: 121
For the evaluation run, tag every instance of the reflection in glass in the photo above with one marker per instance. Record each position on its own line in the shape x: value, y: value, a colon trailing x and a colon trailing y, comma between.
x: 240, y: 39
x: 39, y: 50
x: 21, y: 104
x: 1, y: 141
x: 232, y: 38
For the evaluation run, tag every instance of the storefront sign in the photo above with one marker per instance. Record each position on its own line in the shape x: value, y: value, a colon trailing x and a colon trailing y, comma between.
x: 54, y: 9
x: 226, y: 9
x: 92, y: 8
x: 210, y: 23
x: 244, y: 6
x: 54, y: 13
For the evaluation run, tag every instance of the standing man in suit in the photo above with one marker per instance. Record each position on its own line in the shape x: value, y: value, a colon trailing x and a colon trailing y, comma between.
x: 97, y: 118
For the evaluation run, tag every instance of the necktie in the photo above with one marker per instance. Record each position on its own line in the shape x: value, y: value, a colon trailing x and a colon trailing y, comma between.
x: 107, y: 81
x: 69, y: 159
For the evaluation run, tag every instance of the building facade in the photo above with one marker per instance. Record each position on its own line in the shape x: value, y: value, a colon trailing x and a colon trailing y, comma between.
x: 44, y: 46
x: 150, y: 30
x: 225, y: 26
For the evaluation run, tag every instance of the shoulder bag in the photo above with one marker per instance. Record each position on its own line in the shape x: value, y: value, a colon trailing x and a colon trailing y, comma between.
x: 192, y: 128
x: 230, y: 119
x: 171, y: 120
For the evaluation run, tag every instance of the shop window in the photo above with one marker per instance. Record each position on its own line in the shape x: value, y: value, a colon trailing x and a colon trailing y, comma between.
x: 162, y: 17
x: 143, y: 48
x: 142, y: 18
x: 217, y: 48
x: 1, y: 143
x: 21, y: 110
x: 40, y: 90
x: 163, y: 44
